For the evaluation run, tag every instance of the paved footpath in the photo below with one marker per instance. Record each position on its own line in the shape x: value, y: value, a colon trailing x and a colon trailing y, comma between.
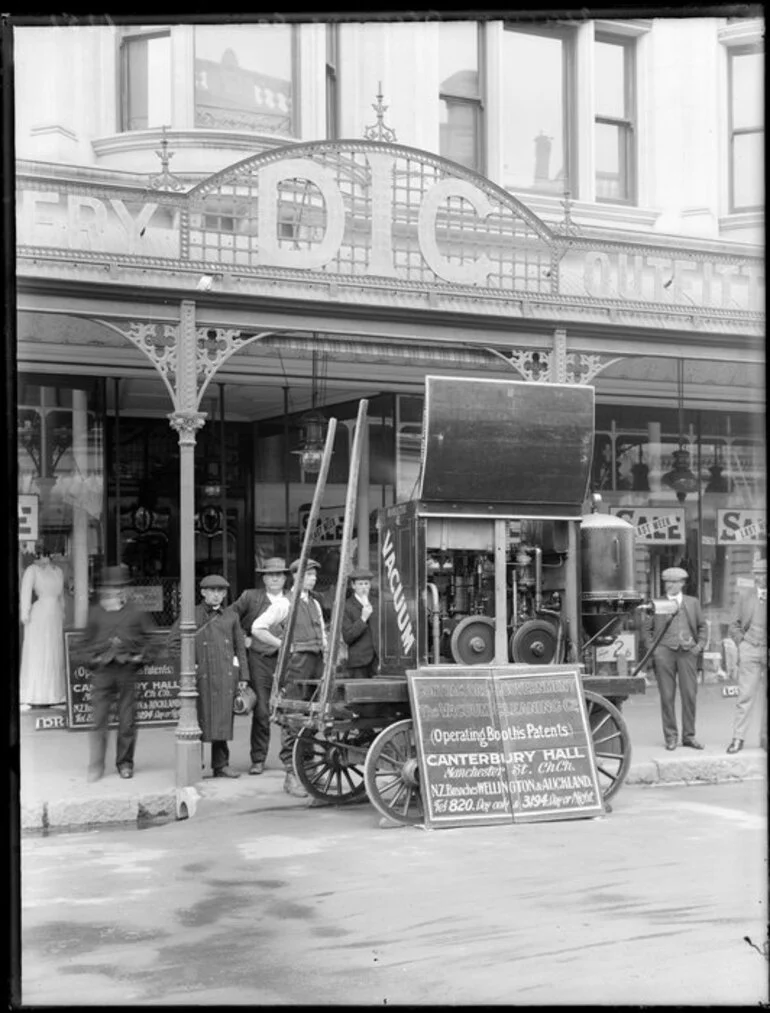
x: 54, y: 793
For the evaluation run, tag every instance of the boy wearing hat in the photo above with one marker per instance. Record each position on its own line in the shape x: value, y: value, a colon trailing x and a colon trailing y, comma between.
x: 749, y: 631
x: 676, y: 657
x: 220, y: 658
x: 306, y: 656
x: 262, y: 659
x: 115, y: 643
x: 359, y: 627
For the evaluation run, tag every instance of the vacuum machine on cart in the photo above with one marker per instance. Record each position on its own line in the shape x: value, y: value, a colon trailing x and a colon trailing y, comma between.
x: 493, y: 563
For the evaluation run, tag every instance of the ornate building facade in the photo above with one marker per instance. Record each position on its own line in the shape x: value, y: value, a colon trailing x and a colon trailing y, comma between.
x: 220, y: 228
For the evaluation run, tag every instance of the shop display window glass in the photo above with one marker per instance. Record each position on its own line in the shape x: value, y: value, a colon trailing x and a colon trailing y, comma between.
x: 60, y: 483
x: 245, y: 78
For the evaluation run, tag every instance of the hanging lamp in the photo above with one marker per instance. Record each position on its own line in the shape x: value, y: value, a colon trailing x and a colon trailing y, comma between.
x: 312, y: 426
x: 681, y: 478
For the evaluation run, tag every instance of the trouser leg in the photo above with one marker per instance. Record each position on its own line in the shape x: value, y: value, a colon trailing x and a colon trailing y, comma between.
x: 687, y: 667
x: 102, y: 691
x: 126, y: 719
x: 749, y: 686
x: 301, y: 666
x: 220, y: 754
x: 261, y: 669
x: 665, y: 674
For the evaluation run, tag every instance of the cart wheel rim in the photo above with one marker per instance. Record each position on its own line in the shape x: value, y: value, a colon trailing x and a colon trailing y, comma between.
x: 325, y: 767
x: 611, y: 742
x: 391, y: 774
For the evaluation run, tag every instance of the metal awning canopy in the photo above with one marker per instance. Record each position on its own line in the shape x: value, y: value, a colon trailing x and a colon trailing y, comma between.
x: 516, y: 447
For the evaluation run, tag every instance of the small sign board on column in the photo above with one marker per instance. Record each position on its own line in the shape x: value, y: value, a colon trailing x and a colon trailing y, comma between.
x: 502, y: 745
x: 157, y: 687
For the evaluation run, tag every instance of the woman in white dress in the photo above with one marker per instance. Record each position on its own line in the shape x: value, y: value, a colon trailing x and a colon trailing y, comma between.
x: 42, y: 656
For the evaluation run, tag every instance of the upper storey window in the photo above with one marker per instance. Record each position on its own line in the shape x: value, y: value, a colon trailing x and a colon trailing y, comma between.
x: 460, y: 127
x: 245, y: 78
x: 747, y: 132
x: 145, y: 66
x: 614, y: 119
x: 538, y: 139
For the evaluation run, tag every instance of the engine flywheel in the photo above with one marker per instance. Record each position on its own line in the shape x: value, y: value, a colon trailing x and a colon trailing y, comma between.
x: 473, y: 641
x: 534, y: 643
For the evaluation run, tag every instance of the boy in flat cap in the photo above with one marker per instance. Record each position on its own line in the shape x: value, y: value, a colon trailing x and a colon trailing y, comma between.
x: 359, y: 627
x: 263, y: 658
x: 749, y: 631
x: 306, y: 657
x: 220, y: 658
x: 676, y: 657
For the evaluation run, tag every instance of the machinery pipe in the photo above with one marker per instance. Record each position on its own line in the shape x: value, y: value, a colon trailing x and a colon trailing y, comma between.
x: 435, y: 621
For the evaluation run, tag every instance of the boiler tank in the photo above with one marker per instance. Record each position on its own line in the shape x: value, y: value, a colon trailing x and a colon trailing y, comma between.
x: 607, y: 563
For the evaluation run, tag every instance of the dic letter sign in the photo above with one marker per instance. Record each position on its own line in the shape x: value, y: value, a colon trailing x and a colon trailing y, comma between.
x: 497, y: 747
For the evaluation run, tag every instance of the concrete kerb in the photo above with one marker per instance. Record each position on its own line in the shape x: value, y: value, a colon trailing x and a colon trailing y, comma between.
x: 184, y: 803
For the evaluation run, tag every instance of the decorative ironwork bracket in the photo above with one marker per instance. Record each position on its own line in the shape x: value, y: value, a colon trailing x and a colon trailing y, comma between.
x: 557, y: 365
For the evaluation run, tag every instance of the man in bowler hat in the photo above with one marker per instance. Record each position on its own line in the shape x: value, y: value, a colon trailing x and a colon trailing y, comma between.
x: 676, y: 657
x: 749, y: 631
x: 306, y: 656
x: 262, y: 658
x: 220, y: 658
x: 115, y: 643
x: 360, y: 627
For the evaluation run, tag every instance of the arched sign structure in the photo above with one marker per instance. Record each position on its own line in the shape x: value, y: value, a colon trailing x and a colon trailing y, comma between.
x: 365, y: 209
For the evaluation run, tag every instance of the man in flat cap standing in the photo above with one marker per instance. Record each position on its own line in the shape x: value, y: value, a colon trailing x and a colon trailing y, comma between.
x: 306, y: 656
x: 220, y: 658
x: 359, y: 627
x: 252, y: 603
x: 749, y: 631
x: 114, y: 644
x: 676, y: 656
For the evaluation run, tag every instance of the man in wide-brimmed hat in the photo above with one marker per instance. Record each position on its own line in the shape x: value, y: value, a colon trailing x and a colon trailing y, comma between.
x: 115, y: 643
x: 261, y: 659
x: 308, y: 644
x: 749, y: 631
x: 360, y: 630
x: 220, y: 663
x: 676, y: 657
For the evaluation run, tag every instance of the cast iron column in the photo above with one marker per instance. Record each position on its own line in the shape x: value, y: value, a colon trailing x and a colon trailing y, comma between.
x: 187, y: 420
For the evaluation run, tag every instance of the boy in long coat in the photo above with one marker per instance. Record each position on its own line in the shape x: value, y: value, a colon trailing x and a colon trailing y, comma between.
x: 218, y: 642
x: 749, y: 631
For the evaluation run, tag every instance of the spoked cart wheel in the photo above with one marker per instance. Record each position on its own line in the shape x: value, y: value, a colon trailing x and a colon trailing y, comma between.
x: 612, y: 743
x: 330, y: 764
x: 391, y: 774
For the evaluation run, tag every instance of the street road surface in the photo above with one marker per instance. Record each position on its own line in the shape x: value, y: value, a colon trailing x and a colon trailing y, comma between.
x: 663, y: 901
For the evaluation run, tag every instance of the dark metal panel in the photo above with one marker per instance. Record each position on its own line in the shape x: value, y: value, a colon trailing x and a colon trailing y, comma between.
x: 527, y: 445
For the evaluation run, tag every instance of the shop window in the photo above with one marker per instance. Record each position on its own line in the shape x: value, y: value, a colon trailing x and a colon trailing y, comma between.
x: 145, y: 68
x: 60, y: 484
x: 538, y: 125
x: 614, y: 119
x: 245, y: 78
x: 460, y: 103
x: 746, y: 127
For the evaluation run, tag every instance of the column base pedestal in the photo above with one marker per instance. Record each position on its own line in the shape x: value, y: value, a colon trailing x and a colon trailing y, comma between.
x: 188, y: 762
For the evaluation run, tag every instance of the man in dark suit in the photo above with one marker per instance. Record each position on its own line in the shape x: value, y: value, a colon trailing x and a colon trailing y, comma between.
x: 262, y: 659
x: 749, y: 631
x: 360, y: 628
x: 676, y: 656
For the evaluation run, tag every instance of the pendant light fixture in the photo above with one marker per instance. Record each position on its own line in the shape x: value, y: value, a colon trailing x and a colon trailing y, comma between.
x: 313, y: 429
x: 681, y: 478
